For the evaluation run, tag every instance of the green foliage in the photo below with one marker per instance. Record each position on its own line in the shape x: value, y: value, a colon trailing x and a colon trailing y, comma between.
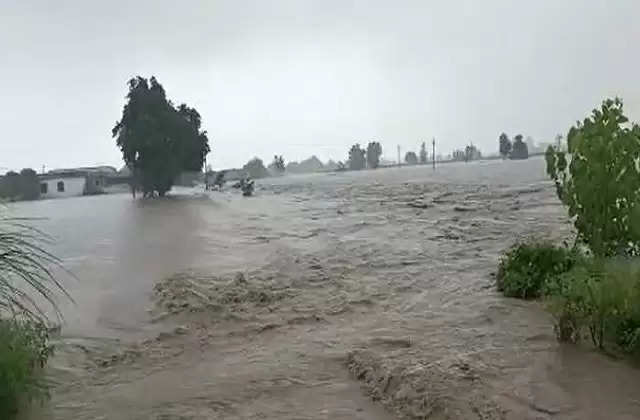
x: 25, y: 271
x: 255, y: 168
x: 602, y: 297
x: 158, y: 140
x: 29, y: 184
x: 374, y: 151
x: 423, y: 153
x: 357, y: 159
x: 20, y: 186
x: 526, y: 268
x: 519, y: 149
x: 25, y: 281
x: 278, y: 164
x: 505, y: 145
x: 601, y: 184
x: 24, y: 350
x: 411, y: 158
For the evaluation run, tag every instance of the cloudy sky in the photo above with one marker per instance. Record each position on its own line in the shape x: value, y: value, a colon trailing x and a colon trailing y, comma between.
x: 305, y: 77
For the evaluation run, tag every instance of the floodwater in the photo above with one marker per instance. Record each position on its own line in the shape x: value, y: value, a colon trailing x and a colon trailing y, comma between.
x: 359, y: 295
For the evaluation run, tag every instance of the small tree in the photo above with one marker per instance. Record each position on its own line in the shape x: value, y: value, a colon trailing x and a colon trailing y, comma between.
x: 280, y: 163
x: 505, y: 145
x: 601, y: 185
x: 277, y: 165
x: 471, y: 152
x: 374, y: 151
x: 423, y: 153
x: 357, y: 159
x: 255, y: 168
x: 411, y: 158
x: 519, y: 148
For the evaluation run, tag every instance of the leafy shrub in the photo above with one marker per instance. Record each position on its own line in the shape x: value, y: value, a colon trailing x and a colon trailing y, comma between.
x: 601, y: 184
x: 602, y: 297
x: 527, y: 267
x: 24, y: 350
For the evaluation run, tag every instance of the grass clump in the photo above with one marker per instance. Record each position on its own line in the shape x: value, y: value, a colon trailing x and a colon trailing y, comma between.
x: 27, y: 295
x: 526, y: 268
x: 24, y: 350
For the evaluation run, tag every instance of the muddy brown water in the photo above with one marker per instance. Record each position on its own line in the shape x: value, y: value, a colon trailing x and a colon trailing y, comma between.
x: 329, y: 296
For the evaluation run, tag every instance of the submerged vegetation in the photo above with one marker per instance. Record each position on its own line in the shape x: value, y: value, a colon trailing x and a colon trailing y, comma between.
x: 27, y: 291
x: 595, y: 293
x: 527, y: 267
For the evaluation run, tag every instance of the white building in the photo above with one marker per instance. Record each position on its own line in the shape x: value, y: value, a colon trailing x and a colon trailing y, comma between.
x: 74, y: 182
x: 62, y: 186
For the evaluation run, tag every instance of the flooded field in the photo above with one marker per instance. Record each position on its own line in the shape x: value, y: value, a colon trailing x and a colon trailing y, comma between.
x: 360, y: 295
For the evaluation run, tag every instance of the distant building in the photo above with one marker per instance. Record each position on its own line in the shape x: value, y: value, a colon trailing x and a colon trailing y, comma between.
x: 75, y: 182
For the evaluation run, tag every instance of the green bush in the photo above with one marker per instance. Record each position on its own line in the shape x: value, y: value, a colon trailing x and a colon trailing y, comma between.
x: 527, y: 267
x: 600, y: 181
x: 601, y: 297
x: 24, y: 349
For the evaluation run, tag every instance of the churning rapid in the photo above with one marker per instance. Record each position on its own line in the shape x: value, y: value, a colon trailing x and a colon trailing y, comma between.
x: 359, y: 295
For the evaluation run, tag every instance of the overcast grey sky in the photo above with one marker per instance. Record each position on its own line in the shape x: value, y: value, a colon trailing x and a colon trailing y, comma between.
x: 310, y: 77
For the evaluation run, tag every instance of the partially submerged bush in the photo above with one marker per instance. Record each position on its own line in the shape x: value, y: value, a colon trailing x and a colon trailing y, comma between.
x: 24, y: 350
x: 601, y: 297
x: 527, y: 267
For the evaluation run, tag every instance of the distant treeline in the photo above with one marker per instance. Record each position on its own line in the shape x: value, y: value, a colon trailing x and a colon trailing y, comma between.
x: 20, y: 186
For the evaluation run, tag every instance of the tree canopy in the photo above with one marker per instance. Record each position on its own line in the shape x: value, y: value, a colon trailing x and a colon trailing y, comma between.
x: 505, y: 145
x: 519, y: 149
x: 357, y: 159
x: 157, y: 139
x: 255, y: 168
x: 374, y: 151
x: 277, y: 165
x: 411, y: 158
x: 601, y: 184
x: 423, y: 153
x: 20, y: 186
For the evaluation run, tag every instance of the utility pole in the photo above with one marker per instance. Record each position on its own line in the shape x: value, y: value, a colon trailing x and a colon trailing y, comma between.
x: 434, y: 153
x: 399, y: 163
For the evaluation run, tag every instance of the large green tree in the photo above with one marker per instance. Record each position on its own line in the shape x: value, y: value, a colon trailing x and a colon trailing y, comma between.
x: 157, y: 139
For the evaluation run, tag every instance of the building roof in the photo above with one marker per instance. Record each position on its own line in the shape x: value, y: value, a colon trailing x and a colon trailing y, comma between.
x: 103, y: 170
